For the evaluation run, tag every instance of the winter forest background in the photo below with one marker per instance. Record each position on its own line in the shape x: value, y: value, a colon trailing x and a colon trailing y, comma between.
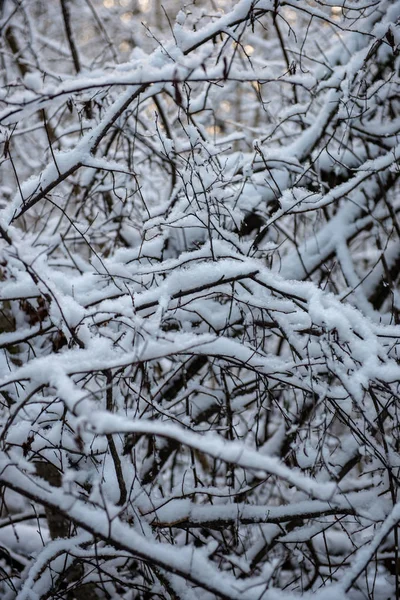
x: 200, y: 316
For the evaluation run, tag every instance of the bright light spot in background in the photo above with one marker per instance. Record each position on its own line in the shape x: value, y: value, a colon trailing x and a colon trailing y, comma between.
x: 213, y: 129
x: 124, y: 2
x: 87, y: 35
x: 124, y: 46
x: 126, y: 17
x: 150, y: 111
x: 226, y: 106
x: 108, y: 3
x: 336, y: 12
x: 249, y: 49
x: 144, y: 5
x: 290, y: 15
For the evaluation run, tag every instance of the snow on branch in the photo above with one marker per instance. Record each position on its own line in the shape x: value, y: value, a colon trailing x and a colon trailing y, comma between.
x: 199, y: 320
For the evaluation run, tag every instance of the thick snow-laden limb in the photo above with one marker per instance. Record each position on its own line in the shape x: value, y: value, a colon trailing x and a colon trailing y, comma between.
x: 67, y: 163
x: 365, y: 554
x: 187, y: 562
x: 191, y: 564
x: 369, y: 169
x: 39, y: 580
x: 182, y: 513
x: 230, y: 452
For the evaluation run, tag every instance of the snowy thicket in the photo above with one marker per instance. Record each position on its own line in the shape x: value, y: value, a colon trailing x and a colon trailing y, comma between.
x: 200, y: 322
